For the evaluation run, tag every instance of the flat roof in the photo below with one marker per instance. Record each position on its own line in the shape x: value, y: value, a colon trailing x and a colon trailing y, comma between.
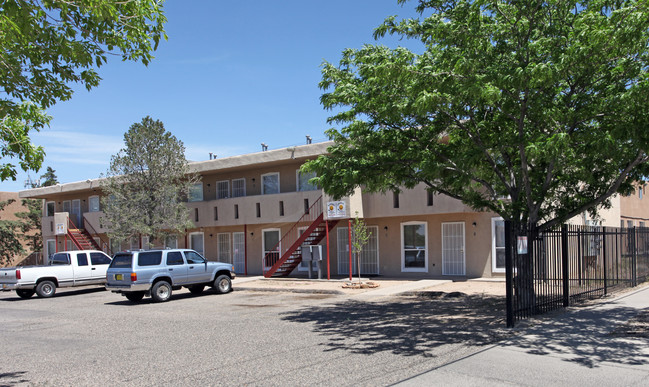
x: 227, y: 163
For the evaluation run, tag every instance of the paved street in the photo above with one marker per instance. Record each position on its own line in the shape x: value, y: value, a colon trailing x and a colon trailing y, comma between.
x: 93, y: 337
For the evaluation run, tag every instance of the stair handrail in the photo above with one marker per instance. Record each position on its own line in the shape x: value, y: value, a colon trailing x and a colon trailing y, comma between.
x: 71, y: 226
x: 88, y: 226
x: 310, y: 215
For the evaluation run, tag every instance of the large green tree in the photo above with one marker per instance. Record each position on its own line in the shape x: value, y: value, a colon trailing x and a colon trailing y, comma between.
x: 147, y: 184
x: 537, y: 110
x: 46, y: 46
x: 10, y: 244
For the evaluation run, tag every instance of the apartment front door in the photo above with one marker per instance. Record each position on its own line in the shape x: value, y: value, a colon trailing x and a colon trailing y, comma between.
x: 453, y: 249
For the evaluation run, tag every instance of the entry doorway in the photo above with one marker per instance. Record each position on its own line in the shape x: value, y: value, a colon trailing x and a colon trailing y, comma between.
x: 453, y: 249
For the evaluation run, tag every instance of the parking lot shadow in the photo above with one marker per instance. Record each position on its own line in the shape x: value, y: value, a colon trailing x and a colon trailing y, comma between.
x: 410, y: 326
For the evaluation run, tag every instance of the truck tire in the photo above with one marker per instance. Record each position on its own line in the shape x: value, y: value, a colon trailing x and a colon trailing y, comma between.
x: 134, y: 296
x: 45, y: 289
x: 223, y: 284
x: 196, y: 289
x: 25, y: 293
x: 161, y: 291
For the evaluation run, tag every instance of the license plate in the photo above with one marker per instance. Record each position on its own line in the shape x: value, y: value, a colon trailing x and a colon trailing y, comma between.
x: 119, y: 277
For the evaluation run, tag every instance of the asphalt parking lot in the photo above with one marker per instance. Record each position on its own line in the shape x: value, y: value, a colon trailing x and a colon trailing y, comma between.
x: 94, y: 337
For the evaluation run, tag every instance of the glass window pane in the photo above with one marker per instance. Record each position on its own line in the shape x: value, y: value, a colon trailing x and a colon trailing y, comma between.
x: 238, y: 188
x: 93, y: 204
x: 82, y: 259
x: 222, y: 189
x: 414, y: 236
x: 270, y: 184
x: 500, y: 233
x: 196, y: 193
x: 303, y: 181
x: 415, y: 258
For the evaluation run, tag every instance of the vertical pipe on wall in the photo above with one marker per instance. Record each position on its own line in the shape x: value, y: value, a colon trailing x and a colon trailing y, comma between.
x: 327, y: 231
x: 245, y: 249
x: 349, y: 228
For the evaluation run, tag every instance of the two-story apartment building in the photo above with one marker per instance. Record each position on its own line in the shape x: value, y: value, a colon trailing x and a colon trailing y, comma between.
x: 255, y: 209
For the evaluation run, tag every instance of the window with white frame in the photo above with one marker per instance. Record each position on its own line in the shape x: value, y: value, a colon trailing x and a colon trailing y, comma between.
x: 414, y: 246
x: 115, y: 245
x: 93, y: 204
x: 302, y: 180
x: 196, y: 193
x: 497, y: 245
x: 270, y: 183
x: 223, y: 189
x: 270, y: 246
x: 51, y: 247
x: 238, y: 188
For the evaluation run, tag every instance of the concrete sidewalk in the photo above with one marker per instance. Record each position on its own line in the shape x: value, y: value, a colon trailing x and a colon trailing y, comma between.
x: 573, y: 348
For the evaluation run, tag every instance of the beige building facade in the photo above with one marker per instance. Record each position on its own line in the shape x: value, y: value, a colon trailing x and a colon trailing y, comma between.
x: 251, y: 210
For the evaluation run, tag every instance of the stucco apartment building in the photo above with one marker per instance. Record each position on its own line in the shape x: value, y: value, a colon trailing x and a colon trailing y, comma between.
x: 257, y: 209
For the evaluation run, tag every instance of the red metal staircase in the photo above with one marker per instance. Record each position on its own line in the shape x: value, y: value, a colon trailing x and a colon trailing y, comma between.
x: 281, y: 263
x: 81, y: 238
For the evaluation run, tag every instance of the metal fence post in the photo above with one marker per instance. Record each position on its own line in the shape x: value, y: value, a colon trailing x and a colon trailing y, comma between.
x: 634, y: 258
x: 604, y: 256
x: 509, y: 274
x: 564, y: 265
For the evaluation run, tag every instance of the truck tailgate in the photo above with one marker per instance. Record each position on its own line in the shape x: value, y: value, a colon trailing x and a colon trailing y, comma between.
x: 7, y: 277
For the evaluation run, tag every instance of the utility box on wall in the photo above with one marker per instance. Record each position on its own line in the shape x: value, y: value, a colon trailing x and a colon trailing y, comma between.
x: 61, y: 223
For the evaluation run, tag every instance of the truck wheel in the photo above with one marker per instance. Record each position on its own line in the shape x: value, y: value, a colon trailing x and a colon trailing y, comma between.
x: 134, y: 296
x: 161, y: 291
x: 223, y: 284
x: 24, y: 293
x: 45, y: 289
x: 196, y: 289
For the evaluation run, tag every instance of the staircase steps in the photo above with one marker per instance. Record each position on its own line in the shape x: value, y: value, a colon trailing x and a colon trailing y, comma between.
x: 82, y: 239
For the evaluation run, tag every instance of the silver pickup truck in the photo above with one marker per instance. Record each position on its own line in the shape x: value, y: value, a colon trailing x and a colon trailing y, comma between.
x: 155, y: 273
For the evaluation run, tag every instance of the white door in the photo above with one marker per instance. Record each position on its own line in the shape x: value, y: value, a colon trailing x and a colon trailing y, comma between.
x: 453, y: 257
x: 303, y: 265
x: 196, y: 242
x: 223, y: 247
x: 369, y: 258
x: 239, y: 252
x: 271, y: 245
x: 76, y: 213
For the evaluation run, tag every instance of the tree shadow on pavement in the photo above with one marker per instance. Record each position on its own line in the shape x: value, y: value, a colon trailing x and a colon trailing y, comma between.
x: 586, y: 336
x: 409, y: 326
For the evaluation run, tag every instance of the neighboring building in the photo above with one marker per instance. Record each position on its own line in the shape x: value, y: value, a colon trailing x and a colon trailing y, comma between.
x: 9, y: 213
x: 245, y: 204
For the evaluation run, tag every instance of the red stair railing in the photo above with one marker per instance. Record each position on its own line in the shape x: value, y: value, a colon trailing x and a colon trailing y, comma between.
x: 291, y: 239
x: 105, y: 245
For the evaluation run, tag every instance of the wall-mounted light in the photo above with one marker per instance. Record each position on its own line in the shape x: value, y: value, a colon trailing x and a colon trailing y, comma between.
x: 385, y: 228
x: 252, y: 233
x: 474, y: 224
x: 211, y: 235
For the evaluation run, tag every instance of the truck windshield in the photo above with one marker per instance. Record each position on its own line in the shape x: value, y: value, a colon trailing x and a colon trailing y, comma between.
x: 122, y: 260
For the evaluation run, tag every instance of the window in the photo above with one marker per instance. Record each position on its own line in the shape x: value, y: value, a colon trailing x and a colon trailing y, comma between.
x: 196, y: 242
x: 93, y: 204
x: 193, y: 257
x: 196, y: 193
x: 303, y: 181
x: 236, y: 211
x: 115, y: 245
x: 174, y: 258
x: 82, y: 259
x: 145, y: 242
x: 306, y: 206
x: 195, y: 214
x: 51, y: 247
x: 238, y: 188
x: 414, y: 244
x: 99, y: 259
x: 123, y: 260
x: 49, y: 209
x: 640, y: 192
x: 135, y: 243
x: 216, y: 213
x: 149, y: 258
x: 629, y: 223
x: 258, y: 208
x: 395, y: 199
x: 171, y: 242
x: 222, y: 189
x: 497, y: 245
x: 429, y: 198
x: 270, y: 183
x: 281, y: 208
x: 60, y: 259
x: 224, y: 253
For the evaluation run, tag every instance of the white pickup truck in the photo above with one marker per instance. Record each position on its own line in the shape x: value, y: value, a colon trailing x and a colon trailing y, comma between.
x: 64, y: 269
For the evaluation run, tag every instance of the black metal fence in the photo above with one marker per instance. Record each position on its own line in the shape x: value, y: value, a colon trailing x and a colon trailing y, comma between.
x: 563, y: 266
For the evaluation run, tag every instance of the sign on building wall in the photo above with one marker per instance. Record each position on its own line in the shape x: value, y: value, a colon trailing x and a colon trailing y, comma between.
x: 336, y: 209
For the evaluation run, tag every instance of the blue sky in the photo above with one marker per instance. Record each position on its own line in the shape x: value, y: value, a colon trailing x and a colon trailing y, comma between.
x: 231, y: 76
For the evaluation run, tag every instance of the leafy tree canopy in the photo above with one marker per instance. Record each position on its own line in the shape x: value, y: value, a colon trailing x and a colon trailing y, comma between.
x: 536, y: 110
x: 147, y: 184
x: 45, y: 46
x: 9, y: 242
